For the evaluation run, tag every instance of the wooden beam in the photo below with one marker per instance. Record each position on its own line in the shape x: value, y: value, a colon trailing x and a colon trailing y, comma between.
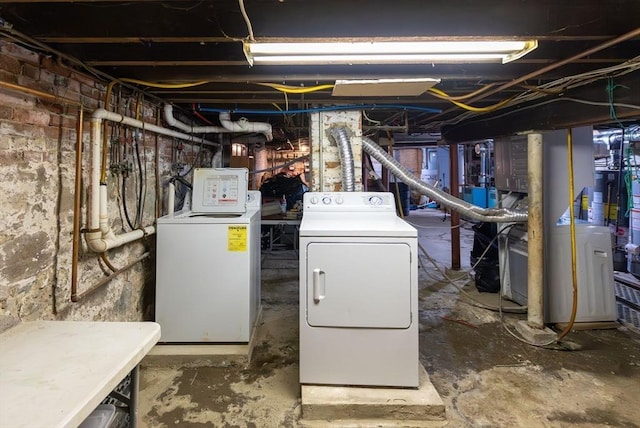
x: 206, y: 39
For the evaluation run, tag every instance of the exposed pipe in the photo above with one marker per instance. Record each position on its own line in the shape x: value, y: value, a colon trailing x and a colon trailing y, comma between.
x: 77, y: 199
x: 242, y: 125
x: 35, y: 92
x: 491, y: 215
x: 339, y: 134
x: 535, y: 228
x: 171, y: 199
x: 99, y: 236
x: 76, y: 297
x: 175, y: 123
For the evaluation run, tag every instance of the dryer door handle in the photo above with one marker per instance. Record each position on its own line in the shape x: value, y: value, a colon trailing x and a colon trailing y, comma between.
x: 318, y: 285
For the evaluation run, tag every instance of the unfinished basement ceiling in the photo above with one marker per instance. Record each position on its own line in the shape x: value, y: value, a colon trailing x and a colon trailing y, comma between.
x: 194, y: 41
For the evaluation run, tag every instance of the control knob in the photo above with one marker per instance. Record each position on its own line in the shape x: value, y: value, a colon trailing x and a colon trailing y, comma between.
x: 375, y: 200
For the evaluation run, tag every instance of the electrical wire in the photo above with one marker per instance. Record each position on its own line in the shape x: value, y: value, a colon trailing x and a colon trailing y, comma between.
x: 444, y: 96
x: 165, y: 85
x: 559, y: 86
x: 246, y: 20
x: 295, y: 89
x: 572, y: 225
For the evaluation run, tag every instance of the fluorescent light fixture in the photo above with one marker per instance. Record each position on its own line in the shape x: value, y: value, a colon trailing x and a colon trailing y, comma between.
x: 387, y: 52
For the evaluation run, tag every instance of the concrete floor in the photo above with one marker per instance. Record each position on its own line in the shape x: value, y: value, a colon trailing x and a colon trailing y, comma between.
x: 486, y: 377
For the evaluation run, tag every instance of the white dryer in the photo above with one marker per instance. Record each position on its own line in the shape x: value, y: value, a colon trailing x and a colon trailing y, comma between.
x: 358, y: 291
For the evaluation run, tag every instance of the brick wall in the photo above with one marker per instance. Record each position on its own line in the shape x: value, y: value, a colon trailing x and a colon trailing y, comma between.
x: 37, y: 181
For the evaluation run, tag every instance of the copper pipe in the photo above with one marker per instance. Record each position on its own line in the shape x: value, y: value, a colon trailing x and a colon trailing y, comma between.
x: 106, y: 280
x: 107, y: 262
x: 157, y: 173
x: 550, y: 67
x: 76, y: 206
x: 40, y: 94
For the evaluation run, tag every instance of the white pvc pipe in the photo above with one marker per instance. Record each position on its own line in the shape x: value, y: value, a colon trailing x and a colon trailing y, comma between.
x: 172, y: 121
x: 242, y: 125
x: 100, y: 237
x: 171, y: 200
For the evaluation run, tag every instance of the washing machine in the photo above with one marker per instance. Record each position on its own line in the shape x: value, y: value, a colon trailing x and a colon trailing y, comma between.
x: 208, y: 262
x: 358, y: 291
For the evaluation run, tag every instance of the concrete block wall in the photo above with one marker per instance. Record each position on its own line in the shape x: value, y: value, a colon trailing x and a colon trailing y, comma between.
x: 37, y: 181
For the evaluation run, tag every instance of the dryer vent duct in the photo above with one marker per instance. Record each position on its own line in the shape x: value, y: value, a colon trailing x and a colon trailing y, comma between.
x: 339, y: 134
x: 491, y: 215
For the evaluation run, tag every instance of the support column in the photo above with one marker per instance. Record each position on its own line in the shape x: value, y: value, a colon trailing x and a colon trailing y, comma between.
x: 455, y: 216
x: 535, y: 246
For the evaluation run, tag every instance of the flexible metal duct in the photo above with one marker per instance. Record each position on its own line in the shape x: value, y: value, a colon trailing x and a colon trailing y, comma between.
x: 339, y: 134
x: 491, y: 215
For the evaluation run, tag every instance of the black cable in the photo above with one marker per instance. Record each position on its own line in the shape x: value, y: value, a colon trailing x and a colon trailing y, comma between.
x: 140, y: 183
x: 124, y: 202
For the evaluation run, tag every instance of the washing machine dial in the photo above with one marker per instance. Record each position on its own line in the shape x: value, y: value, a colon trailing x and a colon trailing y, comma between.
x: 339, y: 200
x: 313, y: 200
x: 375, y: 201
x: 326, y: 200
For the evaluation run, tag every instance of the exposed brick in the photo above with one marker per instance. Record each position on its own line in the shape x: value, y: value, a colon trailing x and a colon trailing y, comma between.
x: 31, y: 71
x: 53, y: 132
x: 33, y: 117
x: 90, y: 91
x: 90, y: 103
x: 16, y: 99
x: 20, y: 53
x: 71, y: 95
x: 82, y: 78
x: 5, y: 112
x: 20, y: 129
x: 8, y: 77
x: 52, y: 66
x: 10, y: 64
x: 47, y: 76
x: 73, y: 85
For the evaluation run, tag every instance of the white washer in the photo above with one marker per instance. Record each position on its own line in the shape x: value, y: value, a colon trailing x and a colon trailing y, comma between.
x: 208, y: 275
x: 358, y: 291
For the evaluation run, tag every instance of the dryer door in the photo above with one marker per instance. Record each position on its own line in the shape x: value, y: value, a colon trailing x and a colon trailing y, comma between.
x: 358, y: 285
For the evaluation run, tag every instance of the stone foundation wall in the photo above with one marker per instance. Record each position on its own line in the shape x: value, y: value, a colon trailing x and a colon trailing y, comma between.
x: 37, y: 180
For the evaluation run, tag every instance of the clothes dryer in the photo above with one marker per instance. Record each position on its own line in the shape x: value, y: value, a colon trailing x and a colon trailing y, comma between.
x: 358, y: 291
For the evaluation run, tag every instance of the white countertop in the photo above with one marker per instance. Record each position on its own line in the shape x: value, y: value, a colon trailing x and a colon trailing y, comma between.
x: 55, y: 373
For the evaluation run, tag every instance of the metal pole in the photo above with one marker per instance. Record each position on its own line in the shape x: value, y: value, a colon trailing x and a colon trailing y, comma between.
x: 455, y: 216
x: 535, y: 247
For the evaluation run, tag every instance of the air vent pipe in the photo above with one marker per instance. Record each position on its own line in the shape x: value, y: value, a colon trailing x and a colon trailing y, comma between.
x: 491, y: 215
x: 339, y: 134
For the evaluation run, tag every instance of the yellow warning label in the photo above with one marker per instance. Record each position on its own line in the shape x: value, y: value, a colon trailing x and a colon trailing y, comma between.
x: 237, y: 238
